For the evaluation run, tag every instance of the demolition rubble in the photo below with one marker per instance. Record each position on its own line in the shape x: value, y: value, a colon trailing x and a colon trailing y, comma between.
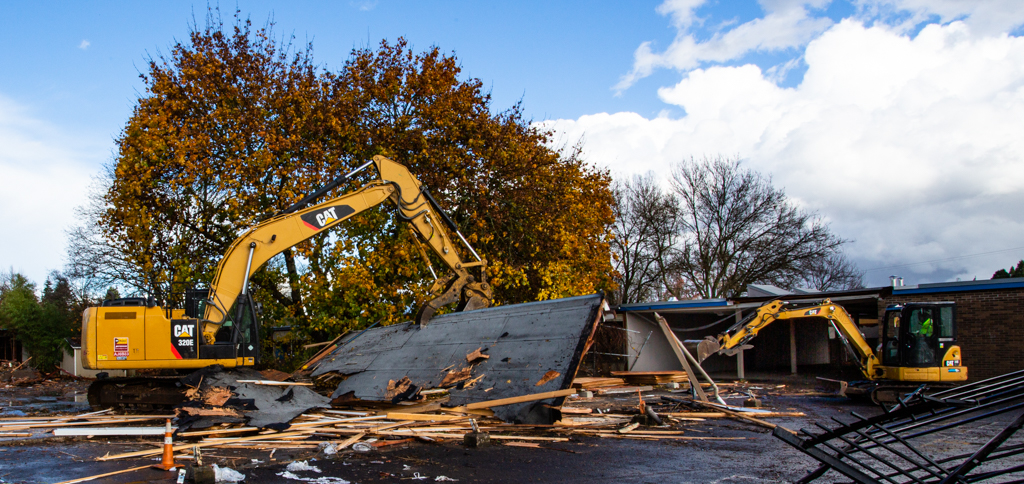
x: 499, y: 378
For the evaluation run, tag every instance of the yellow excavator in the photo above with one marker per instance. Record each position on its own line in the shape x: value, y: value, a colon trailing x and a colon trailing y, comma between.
x: 221, y: 326
x: 917, y: 344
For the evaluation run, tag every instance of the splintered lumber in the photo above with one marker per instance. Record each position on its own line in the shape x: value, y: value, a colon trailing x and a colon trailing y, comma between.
x: 476, y: 355
x: 122, y: 471
x: 349, y: 441
x: 520, y: 399
x: 652, y: 377
x: 576, y: 410
x: 456, y: 376
x: 531, y: 445
x: 276, y: 383
x: 208, y: 412
x: 589, y: 383
x: 550, y: 375
x: 628, y: 428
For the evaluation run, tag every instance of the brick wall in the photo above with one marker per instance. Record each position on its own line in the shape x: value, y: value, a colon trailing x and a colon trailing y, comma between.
x: 990, y: 327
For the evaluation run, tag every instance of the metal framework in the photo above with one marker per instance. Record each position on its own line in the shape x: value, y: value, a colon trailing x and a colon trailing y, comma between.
x: 888, y: 448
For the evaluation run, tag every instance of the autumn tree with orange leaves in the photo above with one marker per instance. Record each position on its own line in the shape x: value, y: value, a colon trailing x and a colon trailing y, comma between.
x: 235, y: 126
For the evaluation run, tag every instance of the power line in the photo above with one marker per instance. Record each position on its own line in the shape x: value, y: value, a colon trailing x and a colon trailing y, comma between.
x: 942, y: 260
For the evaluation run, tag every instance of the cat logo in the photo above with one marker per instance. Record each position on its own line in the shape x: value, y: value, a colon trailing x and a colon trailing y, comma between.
x: 184, y: 330
x: 326, y: 217
x: 321, y: 218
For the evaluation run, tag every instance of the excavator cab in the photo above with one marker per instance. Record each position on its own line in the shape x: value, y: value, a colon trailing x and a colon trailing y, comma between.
x: 918, y: 335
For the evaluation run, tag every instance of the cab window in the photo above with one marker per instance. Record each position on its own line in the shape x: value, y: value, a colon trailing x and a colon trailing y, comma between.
x: 946, y: 322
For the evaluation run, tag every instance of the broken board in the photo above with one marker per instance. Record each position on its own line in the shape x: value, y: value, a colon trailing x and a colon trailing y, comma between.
x: 531, y: 348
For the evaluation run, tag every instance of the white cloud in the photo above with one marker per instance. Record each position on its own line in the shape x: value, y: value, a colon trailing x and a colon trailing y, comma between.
x: 84, y: 45
x: 989, y: 17
x: 910, y: 146
x: 44, y: 175
x: 787, y: 24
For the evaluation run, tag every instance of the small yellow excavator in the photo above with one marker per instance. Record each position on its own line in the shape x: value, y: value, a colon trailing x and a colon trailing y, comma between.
x: 918, y: 344
x: 221, y: 326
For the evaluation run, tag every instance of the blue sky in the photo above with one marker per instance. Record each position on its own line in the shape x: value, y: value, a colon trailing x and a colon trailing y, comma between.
x: 561, y: 58
x: 875, y: 113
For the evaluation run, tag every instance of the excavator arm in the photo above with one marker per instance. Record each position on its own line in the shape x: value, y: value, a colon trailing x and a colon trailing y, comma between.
x: 747, y: 329
x: 302, y: 221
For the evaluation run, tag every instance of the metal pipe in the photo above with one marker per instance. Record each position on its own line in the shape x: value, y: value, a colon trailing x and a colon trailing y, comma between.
x: 448, y: 221
x: 248, y: 265
x: 326, y: 188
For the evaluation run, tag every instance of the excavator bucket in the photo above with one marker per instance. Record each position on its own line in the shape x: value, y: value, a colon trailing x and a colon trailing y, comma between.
x: 706, y: 348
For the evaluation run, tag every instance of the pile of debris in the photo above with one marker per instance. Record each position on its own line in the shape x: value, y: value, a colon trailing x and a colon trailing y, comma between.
x: 476, y: 356
x: 650, y: 416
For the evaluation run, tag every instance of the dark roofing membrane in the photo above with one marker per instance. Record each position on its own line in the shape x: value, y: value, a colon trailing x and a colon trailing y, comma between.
x: 523, y: 341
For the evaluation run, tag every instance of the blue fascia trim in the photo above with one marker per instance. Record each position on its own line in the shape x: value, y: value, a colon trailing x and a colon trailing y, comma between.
x: 698, y: 303
x: 965, y: 288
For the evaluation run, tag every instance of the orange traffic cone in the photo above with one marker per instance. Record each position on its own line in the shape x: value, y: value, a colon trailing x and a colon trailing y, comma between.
x: 167, y: 463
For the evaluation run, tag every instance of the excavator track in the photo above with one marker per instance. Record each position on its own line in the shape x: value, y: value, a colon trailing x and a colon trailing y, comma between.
x: 136, y: 393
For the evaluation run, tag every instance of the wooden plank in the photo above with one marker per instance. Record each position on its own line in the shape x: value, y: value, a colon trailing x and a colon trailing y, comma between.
x: 527, y: 437
x: 520, y: 399
x: 74, y: 424
x: 617, y: 390
x: 422, y: 417
x: 723, y: 414
x: 741, y: 416
x: 349, y: 441
x: 322, y: 353
x: 112, y: 431
x: 672, y: 437
x: 317, y: 345
x: 678, y: 350
x: 575, y: 410
x: 146, y: 453
x: 218, y: 432
x: 433, y: 435
x: 386, y: 443
x: 122, y: 471
x: 276, y: 383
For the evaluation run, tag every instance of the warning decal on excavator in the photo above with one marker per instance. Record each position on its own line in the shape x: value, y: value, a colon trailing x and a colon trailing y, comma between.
x: 184, y: 338
x: 121, y: 348
x: 323, y: 217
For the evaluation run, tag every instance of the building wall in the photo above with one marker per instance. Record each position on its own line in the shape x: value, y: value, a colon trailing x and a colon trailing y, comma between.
x: 656, y: 354
x: 989, y: 327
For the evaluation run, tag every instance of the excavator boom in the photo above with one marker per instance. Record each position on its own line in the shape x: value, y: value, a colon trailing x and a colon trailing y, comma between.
x: 912, y: 367
x: 298, y: 223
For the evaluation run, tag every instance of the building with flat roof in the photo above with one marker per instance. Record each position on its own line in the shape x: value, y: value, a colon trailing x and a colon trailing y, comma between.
x: 989, y: 318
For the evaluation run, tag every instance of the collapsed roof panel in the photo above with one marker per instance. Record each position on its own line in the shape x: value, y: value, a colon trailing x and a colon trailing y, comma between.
x: 524, y: 349
x: 261, y: 406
